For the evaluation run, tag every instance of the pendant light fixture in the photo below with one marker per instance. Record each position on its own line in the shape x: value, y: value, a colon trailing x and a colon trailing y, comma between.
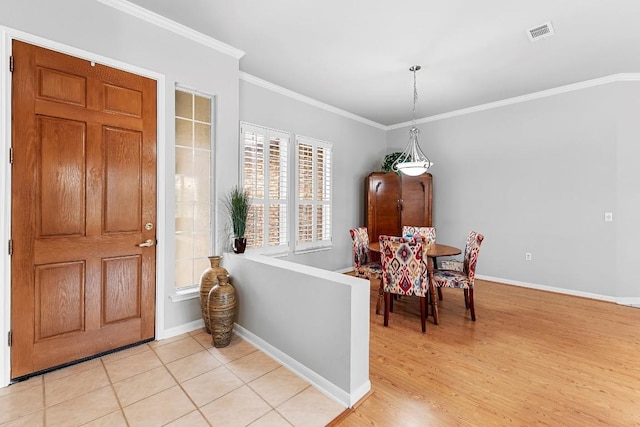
x: 413, y: 161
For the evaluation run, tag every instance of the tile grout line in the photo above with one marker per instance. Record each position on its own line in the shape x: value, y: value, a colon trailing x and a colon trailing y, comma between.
x: 180, y: 384
x: 113, y: 389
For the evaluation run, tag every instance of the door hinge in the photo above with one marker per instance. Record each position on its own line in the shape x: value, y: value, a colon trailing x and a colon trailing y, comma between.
x: 11, y: 247
x: 11, y: 63
x: 11, y: 155
x: 9, y: 339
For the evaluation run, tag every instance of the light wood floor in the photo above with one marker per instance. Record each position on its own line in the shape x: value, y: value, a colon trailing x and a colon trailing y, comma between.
x: 531, y: 358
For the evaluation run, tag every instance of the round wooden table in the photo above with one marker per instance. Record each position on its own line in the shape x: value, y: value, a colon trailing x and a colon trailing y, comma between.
x: 433, y: 251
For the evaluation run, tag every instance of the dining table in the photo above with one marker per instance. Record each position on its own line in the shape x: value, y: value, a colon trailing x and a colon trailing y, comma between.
x: 434, y: 251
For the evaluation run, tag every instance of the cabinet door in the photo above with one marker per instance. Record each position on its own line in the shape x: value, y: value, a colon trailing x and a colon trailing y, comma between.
x: 416, y: 200
x: 383, y: 205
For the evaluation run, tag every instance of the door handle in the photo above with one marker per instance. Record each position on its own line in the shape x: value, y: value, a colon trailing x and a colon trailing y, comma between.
x: 147, y: 243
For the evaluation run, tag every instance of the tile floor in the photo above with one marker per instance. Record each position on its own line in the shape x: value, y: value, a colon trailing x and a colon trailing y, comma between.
x: 182, y: 381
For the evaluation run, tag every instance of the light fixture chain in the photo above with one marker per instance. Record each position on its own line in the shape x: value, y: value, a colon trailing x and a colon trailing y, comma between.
x: 415, y: 96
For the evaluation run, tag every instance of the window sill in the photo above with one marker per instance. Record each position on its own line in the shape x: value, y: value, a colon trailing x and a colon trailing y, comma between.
x: 310, y: 250
x: 185, y: 294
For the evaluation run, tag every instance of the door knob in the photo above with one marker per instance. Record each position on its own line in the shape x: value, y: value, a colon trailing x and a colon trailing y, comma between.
x: 147, y: 243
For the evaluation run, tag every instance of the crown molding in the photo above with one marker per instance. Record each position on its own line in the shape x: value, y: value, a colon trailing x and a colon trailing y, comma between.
x: 613, y: 78
x: 302, y: 98
x: 168, y: 24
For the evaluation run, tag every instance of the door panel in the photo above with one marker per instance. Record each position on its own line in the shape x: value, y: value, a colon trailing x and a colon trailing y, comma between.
x: 83, y: 186
x: 59, y: 299
x: 122, y: 166
x: 416, y: 200
x: 383, y: 205
x: 61, y: 176
x: 121, y: 299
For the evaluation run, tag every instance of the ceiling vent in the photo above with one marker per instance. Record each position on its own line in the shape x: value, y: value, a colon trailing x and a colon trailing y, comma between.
x: 540, y: 32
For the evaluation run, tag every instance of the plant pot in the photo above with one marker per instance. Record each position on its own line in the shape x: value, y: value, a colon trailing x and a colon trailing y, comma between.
x: 239, y: 245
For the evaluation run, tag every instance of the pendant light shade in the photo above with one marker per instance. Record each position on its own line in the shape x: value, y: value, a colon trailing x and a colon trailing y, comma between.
x: 413, y: 161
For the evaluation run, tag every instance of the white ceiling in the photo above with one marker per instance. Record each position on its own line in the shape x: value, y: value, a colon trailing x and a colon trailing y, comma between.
x: 355, y: 54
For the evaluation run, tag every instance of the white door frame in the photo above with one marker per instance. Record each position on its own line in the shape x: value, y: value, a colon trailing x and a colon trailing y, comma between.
x: 7, y: 35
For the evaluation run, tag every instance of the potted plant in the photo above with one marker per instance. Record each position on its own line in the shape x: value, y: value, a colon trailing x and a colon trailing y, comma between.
x: 236, y: 203
x: 389, y: 160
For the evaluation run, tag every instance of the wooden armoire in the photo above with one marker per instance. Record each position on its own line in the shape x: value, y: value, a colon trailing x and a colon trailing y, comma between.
x: 394, y: 200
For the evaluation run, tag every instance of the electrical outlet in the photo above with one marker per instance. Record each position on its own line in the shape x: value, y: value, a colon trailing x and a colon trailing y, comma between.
x: 608, y: 216
x: 527, y: 256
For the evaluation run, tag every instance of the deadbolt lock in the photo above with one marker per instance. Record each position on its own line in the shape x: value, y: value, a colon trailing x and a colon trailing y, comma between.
x: 148, y: 226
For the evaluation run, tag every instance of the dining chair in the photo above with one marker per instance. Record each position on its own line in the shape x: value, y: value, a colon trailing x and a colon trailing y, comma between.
x: 404, y: 272
x: 429, y: 233
x: 462, y: 279
x: 362, y: 264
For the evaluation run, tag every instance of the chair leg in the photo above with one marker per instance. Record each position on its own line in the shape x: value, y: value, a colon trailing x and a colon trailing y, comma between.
x: 440, y: 294
x: 387, y: 300
x: 473, y: 310
x: 434, y: 303
x: 466, y: 299
x: 379, y: 302
x: 423, y: 313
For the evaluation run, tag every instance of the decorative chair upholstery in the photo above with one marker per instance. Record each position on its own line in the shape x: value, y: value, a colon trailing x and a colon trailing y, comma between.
x: 463, y: 279
x: 404, y: 271
x: 429, y: 233
x: 363, y: 265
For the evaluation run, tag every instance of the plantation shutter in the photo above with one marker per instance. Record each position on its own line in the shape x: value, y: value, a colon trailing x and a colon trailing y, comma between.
x: 265, y: 177
x: 313, y: 197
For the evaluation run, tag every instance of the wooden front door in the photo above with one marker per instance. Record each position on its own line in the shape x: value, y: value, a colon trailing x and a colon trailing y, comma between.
x: 83, y: 200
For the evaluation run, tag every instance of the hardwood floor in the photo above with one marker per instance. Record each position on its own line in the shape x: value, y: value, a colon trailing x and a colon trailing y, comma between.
x: 532, y: 357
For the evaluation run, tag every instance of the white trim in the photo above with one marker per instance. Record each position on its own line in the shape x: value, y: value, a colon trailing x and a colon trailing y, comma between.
x: 174, y: 27
x: 9, y: 34
x: 307, y: 100
x: 548, y: 288
x: 182, y: 329
x: 192, y: 292
x: 614, y: 78
x: 325, y: 387
x: 631, y: 302
x: 5, y: 197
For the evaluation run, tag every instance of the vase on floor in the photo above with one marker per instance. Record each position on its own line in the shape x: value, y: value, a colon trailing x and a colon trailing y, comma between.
x: 208, y: 279
x: 221, y: 311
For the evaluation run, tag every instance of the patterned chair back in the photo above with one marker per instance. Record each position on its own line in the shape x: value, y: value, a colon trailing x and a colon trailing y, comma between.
x: 404, y: 266
x: 360, y: 245
x: 429, y: 233
x: 471, y: 250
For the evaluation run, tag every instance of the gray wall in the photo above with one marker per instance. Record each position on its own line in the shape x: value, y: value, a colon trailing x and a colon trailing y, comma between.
x: 314, y: 321
x: 113, y: 34
x: 358, y: 149
x: 537, y: 177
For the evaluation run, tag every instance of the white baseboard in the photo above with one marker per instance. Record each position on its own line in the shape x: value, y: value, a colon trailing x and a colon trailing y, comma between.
x: 324, y: 386
x: 631, y: 302
x: 179, y: 330
x: 621, y: 301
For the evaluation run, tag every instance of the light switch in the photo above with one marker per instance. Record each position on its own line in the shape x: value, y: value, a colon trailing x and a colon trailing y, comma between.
x: 608, y: 216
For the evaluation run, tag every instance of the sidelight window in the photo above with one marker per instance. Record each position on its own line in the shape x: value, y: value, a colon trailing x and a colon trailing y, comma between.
x: 193, y: 185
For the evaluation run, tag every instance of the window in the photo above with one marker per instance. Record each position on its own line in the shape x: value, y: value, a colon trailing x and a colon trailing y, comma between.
x: 193, y: 184
x: 313, y: 194
x: 265, y: 169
